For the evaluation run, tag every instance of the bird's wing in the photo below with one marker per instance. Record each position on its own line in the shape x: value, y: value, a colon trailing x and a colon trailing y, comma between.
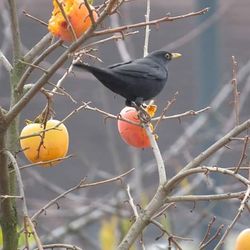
x: 139, y: 70
x: 119, y: 64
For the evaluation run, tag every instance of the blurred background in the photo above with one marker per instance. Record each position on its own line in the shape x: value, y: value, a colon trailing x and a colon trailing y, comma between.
x: 202, y: 78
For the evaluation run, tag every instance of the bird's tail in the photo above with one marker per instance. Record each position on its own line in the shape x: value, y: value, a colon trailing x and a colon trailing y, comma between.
x: 84, y: 66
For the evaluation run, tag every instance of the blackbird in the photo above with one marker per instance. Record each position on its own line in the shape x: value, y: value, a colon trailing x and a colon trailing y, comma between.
x: 138, y: 80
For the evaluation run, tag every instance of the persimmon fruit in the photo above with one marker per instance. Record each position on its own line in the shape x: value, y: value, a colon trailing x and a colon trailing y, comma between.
x: 44, y: 146
x: 243, y: 240
x: 78, y: 16
x: 133, y: 135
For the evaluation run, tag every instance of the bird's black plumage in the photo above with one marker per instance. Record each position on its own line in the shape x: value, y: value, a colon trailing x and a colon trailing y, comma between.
x: 137, y: 80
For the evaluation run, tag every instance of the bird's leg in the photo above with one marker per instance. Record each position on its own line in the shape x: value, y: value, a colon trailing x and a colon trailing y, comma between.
x: 142, y: 112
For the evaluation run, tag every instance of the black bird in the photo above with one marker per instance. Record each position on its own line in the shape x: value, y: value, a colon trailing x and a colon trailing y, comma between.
x: 138, y: 80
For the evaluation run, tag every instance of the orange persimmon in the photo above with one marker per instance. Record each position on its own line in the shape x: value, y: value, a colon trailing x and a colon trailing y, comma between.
x: 243, y: 240
x: 47, y: 146
x: 78, y: 16
x: 133, y: 135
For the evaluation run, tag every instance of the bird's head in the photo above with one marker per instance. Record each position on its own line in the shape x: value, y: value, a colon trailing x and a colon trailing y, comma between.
x: 163, y: 56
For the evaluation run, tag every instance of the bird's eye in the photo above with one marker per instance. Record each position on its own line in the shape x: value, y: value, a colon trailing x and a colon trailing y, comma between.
x: 168, y: 56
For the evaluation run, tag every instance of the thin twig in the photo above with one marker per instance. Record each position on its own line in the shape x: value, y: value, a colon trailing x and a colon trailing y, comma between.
x: 63, y: 91
x: 78, y: 186
x: 243, y: 154
x: 161, y: 227
x: 34, y: 66
x: 181, y: 115
x: 217, y: 234
x: 236, y: 93
x: 35, y: 18
x: 207, y: 234
x: 33, y: 231
x: 153, y: 22
x: 5, y: 62
x: 113, y: 37
x: 147, y: 29
x: 45, y: 162
x: 90, y: 12
x: 159, y: 119
x: 39, y: 59
x: 217, y: 145
x: 240, y: 211
x: 131, y: 202
x: 3, y: 197
x: 66, y: 246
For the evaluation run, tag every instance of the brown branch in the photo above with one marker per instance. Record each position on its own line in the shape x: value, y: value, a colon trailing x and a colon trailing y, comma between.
x: 62, y: 91
x: 66, y: 246
x: 34, y: 66
x: 35, y: 18
x: 34, y: 233
x: 169, y: 103
x: 113, y: 37
x: 217, y: 145
x: 162, y: 228
x: 5, y: 62
x: 90, y: 12
x: 45, y: 162
x: 217, y: 233
x: 210, y: 197
x: 80, y: 185
x: 206, y: 170
x: 181, y: 115
x: 153, y: 22
x: 243, y: 155
x: 131, y: 202
x: 240, y: 211
x: 39, y: 59
x: 207, y: 234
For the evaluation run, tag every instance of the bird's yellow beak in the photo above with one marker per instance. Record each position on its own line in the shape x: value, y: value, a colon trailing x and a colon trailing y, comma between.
x: 175, y: 55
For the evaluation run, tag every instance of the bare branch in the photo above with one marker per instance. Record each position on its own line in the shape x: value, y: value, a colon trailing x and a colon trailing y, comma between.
x: 90, y: 12
x: 147, y: 30
x: 240, y: 211
x: 181, y: 115
x: 158, y: 156
x: 153, y: 22
x: 217, y: 145
x: 236, y: 93
x: 131, y: 202
x: 5, y: 62
x: 35, y: 18
x: 243, y: 154
x: 29, y: 56
x: 66, y: 246
x: 211, y: 197
x: 78, y: 186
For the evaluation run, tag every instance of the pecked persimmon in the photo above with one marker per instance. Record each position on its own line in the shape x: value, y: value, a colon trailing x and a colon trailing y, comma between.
x: 133, y: 135
x: 243, y: 240
x: 44, y: 146
x: 77, y: 14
